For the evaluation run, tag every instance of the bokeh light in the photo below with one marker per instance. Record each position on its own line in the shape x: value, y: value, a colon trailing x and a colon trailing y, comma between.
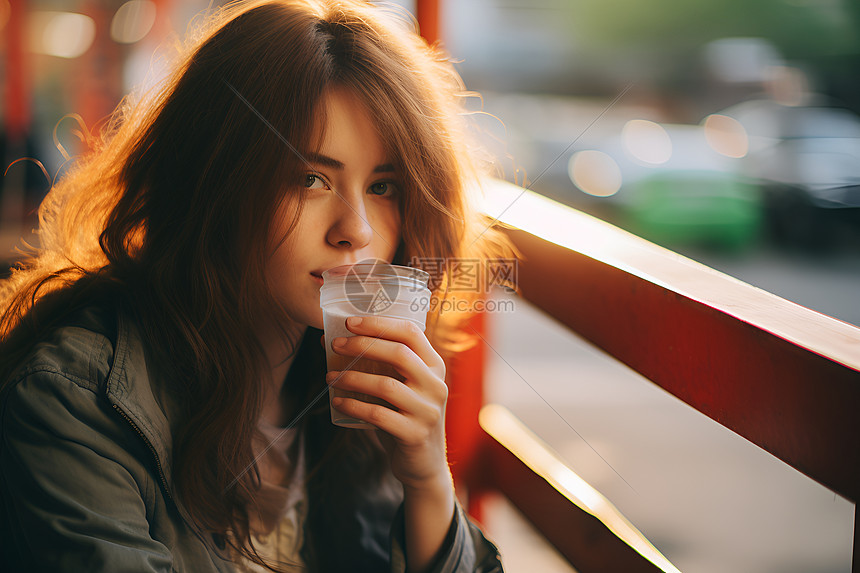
x: 726, y: 135
x: 595, y: 173
x: 61, y: 34
x: 133, y: 21
x: 647, y: 141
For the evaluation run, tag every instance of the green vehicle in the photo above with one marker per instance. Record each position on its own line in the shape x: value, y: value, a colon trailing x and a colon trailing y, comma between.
x: 699, y: 207
x: 676, y: 185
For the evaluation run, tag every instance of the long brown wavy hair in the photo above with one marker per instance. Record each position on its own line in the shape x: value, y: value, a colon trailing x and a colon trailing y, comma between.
x: 171, y: 209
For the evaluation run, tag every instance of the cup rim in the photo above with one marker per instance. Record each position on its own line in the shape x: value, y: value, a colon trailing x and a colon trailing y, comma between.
x: 376, y: 270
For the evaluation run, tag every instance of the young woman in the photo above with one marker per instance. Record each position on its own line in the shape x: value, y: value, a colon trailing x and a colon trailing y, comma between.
x: 160, y: 351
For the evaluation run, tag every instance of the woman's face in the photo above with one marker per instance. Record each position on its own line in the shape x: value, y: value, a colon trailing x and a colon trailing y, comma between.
x: 351, y: 211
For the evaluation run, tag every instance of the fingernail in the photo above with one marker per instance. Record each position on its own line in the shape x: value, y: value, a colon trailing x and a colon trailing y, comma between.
x: 339, y: 341
x: 353, y: 320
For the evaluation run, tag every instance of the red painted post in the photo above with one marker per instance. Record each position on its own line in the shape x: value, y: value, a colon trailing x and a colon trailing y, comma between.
x: 17, y: 116
x: 427, y: 14
x: 17, y: 111
x: 465, y: 378
x: 98, y: 86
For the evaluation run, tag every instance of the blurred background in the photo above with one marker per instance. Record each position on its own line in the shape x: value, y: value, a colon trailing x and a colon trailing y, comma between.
x: 726, y: 130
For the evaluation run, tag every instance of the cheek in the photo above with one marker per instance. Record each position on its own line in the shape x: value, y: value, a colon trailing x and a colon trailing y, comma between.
x: 278, y: 273
x: 282, y: 263
x: 393, y: 220
x: 390, y: 227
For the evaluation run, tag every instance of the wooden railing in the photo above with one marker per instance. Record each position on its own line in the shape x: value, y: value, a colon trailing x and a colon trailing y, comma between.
x: 782, y: 376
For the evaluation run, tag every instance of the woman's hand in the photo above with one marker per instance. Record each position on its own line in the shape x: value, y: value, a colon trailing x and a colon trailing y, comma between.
x: 413, y: 429
x: 415, y: 425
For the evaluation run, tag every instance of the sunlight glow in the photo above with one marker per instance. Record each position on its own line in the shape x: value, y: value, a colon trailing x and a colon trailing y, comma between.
x: 595, y: 173
x: 647, y: 141
x: 132, y: 21
x: 61, y: 34
x: 552, y: 221
x: 505, y: 428
x: 726, y: 135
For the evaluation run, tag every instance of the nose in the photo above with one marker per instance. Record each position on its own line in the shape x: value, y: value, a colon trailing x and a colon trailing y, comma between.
x: 351, y: 227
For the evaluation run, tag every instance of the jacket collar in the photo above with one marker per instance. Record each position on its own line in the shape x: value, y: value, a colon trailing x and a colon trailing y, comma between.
x: 129, y: 388
x: 142, y: 402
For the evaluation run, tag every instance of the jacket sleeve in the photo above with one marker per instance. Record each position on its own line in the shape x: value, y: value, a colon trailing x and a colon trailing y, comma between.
x: 465, y: 549
x: 69, y: 498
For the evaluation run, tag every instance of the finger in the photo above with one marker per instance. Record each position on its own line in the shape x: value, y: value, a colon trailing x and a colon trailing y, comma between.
x: 401, y: 357
x: 398, y: 425
x: 398, y: 330
x: 397, y: 394
x: 322, y: 340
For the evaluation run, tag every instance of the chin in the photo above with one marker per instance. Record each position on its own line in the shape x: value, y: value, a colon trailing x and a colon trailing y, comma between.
x: 306, y: 316
x: 315, y: 320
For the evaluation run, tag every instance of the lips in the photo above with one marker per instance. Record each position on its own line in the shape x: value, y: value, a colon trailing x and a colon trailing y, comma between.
x: 317, y: 277
x: 318, y: 273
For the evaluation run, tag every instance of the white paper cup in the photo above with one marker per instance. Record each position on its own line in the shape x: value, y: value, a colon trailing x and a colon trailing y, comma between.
x: 368, y: 288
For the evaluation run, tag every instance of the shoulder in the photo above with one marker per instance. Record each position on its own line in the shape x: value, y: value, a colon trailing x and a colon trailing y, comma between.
x: 80, y: 350
x: 60, y: 384
x: 55, y: 414
x: 57, y: 403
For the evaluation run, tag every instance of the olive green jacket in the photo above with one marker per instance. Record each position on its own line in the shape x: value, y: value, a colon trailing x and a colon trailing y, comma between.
x: 85, y: 470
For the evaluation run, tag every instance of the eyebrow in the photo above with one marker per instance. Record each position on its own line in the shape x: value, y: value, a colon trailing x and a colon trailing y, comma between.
x: 327, y: 161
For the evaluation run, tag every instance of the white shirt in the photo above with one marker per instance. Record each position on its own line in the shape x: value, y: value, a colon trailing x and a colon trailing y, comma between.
x: 277, y: 526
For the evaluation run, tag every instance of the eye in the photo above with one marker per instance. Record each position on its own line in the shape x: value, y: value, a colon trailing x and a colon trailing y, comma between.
x: 384, y: 189
x: 312, y: 181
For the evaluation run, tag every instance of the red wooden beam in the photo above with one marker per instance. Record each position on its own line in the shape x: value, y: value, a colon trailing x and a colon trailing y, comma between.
x: 800, y: 406
x: 782, y: 376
